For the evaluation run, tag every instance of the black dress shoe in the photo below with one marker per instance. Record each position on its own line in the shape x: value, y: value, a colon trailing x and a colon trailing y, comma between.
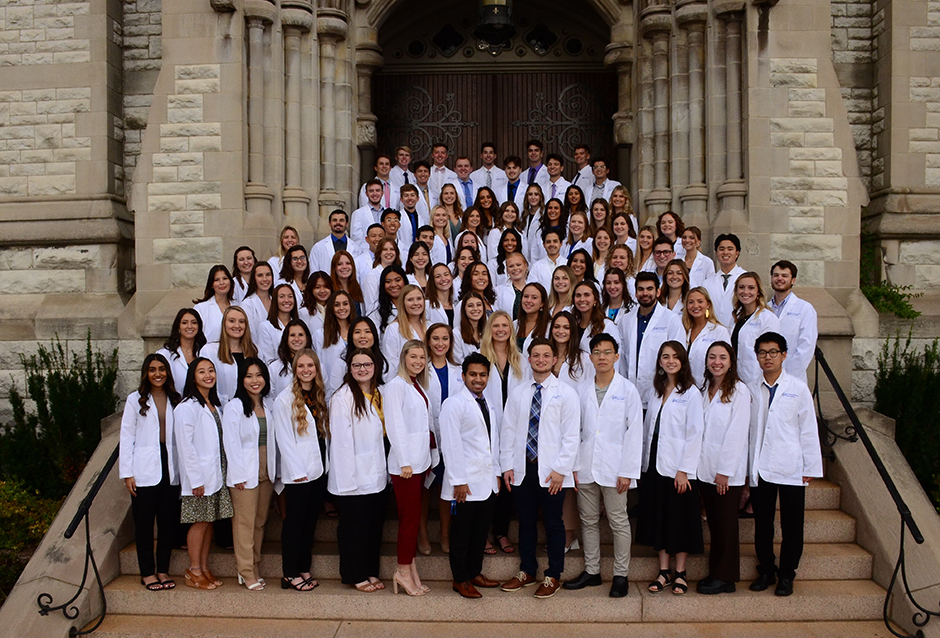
x: 714, y: 586
x: 784, y: 587
x: 620, y: 587
x: 763, y: 582
x: 584, y: 580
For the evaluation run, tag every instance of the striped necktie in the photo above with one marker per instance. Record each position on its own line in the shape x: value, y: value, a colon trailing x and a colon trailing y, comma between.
x: 535, y: 414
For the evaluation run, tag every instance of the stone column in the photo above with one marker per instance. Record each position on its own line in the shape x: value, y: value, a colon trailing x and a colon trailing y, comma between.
x: 645, y: 136
x: 331, y: 30
x: 296, y: 22
x: 694, y: 197
x: 731, y: 194
x: 657, y: 23
x: 258, y: 194
x: 620, y: 56
x: 368, y: 59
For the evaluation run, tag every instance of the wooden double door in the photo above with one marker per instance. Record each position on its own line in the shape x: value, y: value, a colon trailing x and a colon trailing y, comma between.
x: 562, y: 110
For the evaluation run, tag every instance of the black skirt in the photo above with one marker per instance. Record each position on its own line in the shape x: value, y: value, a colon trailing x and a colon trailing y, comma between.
x: 668, y: 520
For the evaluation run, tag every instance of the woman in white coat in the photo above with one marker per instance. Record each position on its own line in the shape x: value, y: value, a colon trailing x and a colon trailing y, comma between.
x: 185, y: 342
x: 216, y: 300
x: 411, y: 323
x: 672, y: 443
x: 301, y: 426
x: 249, y: 445
x: 235, y: 345
x: 752, y: 318
x: 358, y: 472
x: 197, y: 429
x: 283, y: 310
x: 722, y: 467
x: 590, y: 319
x: 408, y: 424
x: 148, y: 467
x: 296, y: 337
x: 702, y: 329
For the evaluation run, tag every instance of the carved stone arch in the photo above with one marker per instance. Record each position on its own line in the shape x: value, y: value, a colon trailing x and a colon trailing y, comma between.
x: 378, y: 11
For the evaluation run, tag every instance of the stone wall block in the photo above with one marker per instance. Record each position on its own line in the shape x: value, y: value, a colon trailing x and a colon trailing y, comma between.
x: 24, y: 282
x: 66, y: 257
x: 40, y: 185
x: 188, y: 251
x: 806, y: 247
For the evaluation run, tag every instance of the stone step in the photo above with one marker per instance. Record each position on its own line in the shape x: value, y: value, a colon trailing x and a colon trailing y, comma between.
x: 820, y: 526
x: 128, y: 626
x: 821, y: 561
x: 811, y: 601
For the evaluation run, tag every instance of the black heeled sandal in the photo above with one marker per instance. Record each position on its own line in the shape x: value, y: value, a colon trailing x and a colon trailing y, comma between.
x: 657, y: 586
x: 678, y: 588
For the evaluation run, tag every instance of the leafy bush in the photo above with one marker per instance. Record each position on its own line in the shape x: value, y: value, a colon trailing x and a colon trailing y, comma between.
x: 887, y: 297
x: 906, y: 390
x: 47, y: 449
x: 24, y: 519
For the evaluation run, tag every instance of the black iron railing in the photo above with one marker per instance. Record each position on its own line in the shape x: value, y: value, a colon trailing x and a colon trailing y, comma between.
x: 854, y: 433
x: 68, y: 609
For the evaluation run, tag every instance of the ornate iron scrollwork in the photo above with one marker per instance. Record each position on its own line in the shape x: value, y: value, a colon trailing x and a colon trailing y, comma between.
x: 418, y: 119
x: 572, y: 119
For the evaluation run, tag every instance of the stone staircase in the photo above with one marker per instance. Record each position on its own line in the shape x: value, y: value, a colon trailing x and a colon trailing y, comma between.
x: 834, y: 594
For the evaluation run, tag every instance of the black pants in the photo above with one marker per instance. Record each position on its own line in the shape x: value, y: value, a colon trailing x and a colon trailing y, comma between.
x: 502, y: 511
x: 359, y: 535
x: 469, y: 524
x: 724, y: 558
x: 530, y: 498
x: 303, y: 504
x: 792, y: 504
x: 159, y: 502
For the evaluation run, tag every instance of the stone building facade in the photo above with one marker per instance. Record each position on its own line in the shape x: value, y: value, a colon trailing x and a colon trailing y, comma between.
x: 142, y: 141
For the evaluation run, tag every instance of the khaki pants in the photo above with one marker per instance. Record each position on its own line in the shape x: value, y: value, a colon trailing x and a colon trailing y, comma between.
x: 251, y: 513
x: 589, y: 506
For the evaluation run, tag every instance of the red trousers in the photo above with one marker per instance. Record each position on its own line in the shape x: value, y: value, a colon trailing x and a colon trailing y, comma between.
x: 408, y: 498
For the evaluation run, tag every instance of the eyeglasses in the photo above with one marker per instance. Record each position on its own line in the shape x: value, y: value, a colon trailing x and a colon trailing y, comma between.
x: 361, y: 366
x: 773, y: 354
x: 298, y: 258
x: 662, y: 253
x: 599, y: 353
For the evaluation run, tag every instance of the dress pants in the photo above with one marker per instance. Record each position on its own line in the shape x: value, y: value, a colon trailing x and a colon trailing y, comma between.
x: 724, y: 558
x: 792, y: 504
x: 359, y: 535
x: 408, y: 498
x: 530, y: 497
x: 303, y: 504
x: 469, y: 524
x: 589, y: 507
x: 502, y: 511
x: 160, y: 502
x: 251, y: 513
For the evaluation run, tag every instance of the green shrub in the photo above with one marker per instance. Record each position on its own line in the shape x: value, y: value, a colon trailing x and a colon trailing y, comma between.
x: 46, y: 449
x: 24, y: 519
x: 887, y: 297
x: 906, y: 390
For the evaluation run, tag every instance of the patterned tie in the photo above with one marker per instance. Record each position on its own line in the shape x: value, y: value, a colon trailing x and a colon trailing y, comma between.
x: 466, y: 193
x: 489, y: 179
x: 388, y: 194
x: 535, y: 413
x: 554, y: 186
x: 724, y: 284
x: 531, y: 175
x: 427, y: 199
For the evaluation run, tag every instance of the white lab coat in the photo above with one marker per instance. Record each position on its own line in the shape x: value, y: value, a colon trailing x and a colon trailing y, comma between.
x: 393, y: 193
x: 226, y: 374
x: 239, y: 290
x: 583, y: 177
x: 408, y: 424
x: 198, y: 449
x: 461, y: 348
x: 610, y: 328
x: 359, y: 223
x: 663, y: 326
x: 298, y: 456
x: 498, y: 178
x: 588, y: 189
x: 454, y: 385
x: 502, y: 193
x: 178, y: 367
x: 321, y: 254
x: 392, y: 343
x: 798, y: 324
x: 280, y: 382
x: 471, y: 457
x: 240, y: 440
x: 680, y: 433
x: 211, y: 316
x: 725, y: 441
x: 140, y: 443
x: 560, y: 187
x: 268, y: 340
x: 559, y: 431
x: 762, y: 321
x: 722, y: 298
x: 711, y: 333
x: 357, y: 448
x: 785, y: 437
x: 611, y: 434
x: 702, y: 268
x: 257, y: 313
x: 543, y: 270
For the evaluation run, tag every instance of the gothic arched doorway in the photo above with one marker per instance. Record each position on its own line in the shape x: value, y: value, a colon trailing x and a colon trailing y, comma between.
x: 549, y: 82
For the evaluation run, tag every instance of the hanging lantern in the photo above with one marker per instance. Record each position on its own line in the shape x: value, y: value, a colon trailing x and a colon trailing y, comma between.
x: 495, y: 26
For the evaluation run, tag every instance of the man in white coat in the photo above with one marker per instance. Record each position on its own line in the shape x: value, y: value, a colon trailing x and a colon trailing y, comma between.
x: 556, y: 185
x: 585, y: 173
x: 440, y: 174
x: 470, y: 445
x: 785, y: 457
x: 720, y: 286
x: 400, y: 174
x: 643, y: 330
x: 321, y: 255
x: 364, y: 216
x: 466, y: 187
x: 798, y: 322
x: 600, y: 186
x: 609, y: 463
x: 383, y: 170
x: 536, y: 173
x: 539, y: 439
x: 514, y: 188
x: 489, y: 174
x: 543, y: 270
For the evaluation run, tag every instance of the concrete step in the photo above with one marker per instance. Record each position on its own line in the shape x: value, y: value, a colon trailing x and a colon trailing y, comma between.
x: 811, y: 601
x: 124, y: 626
x: 821, y: 561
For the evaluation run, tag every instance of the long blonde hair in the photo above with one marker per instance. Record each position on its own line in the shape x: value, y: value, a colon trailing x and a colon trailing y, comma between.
x: 738, y: 311
x: 298, y: 405
x: 248, y: 346
x: 404, y: 322
x: 488, y: 350
x: 422, y: 377
x: 553, y: 299
x: 710, y: 316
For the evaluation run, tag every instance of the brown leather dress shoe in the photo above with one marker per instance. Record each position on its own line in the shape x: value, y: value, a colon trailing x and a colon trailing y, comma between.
x: 467, y: 590
x: 548, y: 587
x: 482, y: 581
x: 518, y: 581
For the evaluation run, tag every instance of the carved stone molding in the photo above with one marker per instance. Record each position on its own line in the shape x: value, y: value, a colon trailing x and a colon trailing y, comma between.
x: 223, y: 6
x: 297, y: 19
x: 366, y: 136
x: 369, y: 57
x: 332, y: 23
x: 691, y: 13
x: 653, y: 22
x: 260, y: 9
x: 303, y: 5
x: 725, y: 7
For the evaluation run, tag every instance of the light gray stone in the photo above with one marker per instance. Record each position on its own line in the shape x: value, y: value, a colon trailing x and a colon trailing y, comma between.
x: 24, y: 282
x: 187, y: 251
x: 806, y: 247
